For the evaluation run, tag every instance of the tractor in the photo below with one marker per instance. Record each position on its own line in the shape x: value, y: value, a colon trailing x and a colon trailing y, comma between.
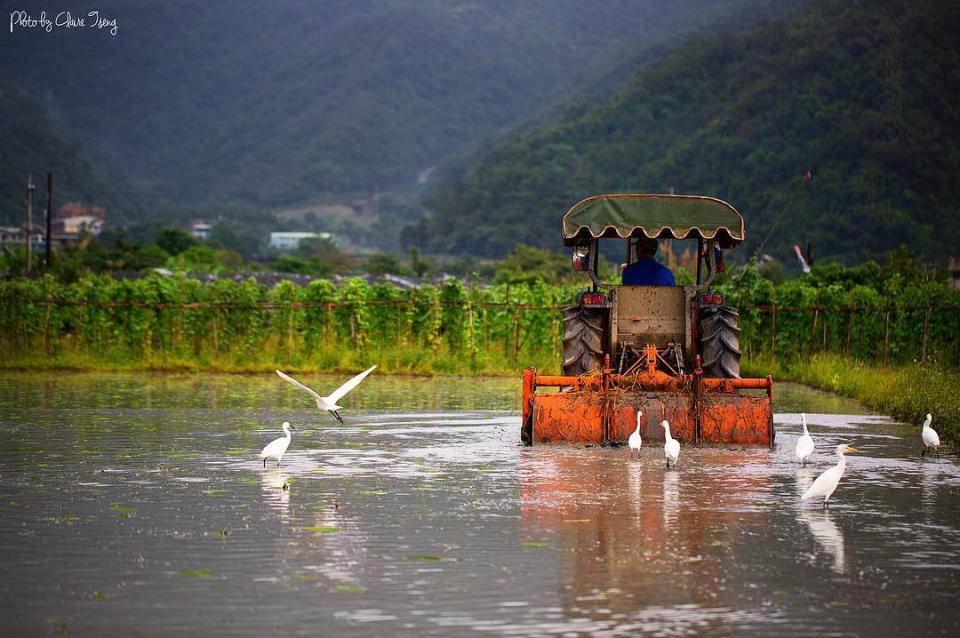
x: 663, y: 352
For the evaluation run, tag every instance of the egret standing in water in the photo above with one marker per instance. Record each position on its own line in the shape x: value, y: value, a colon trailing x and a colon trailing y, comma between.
x: 634, y: 441
x: 329, y: 403
x: 827, y: 482
x: 276, y: 448
x: 805, y: 442
x: 671, y: 446
x: 930, y: 437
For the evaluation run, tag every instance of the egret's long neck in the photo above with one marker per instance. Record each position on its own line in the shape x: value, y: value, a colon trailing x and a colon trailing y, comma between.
x: 666, y: 433
x: 637, y: 431
x: 286, y: 432
x: 805, y: 432
x: 841, y: 460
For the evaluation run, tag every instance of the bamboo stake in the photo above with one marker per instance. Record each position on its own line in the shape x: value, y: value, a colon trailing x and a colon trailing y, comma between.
x: 923, y: 346
x: 849, y: 330
x: 773, y: 331
x: 886, y: 339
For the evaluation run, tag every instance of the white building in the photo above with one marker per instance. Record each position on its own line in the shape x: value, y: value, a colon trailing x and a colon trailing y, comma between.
x: 201, y: 230
x: 290, y: 240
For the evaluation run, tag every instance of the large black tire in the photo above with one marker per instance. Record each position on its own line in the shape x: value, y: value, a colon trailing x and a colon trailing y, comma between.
x: 582, y: 340
x: 720, y: 342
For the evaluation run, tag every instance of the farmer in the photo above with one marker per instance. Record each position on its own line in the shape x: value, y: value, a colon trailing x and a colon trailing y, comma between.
x: 646, y: 271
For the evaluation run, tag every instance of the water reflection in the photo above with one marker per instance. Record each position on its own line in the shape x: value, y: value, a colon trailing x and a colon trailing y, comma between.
x: 275, y: 486
x: 827, y: 535
x: 137, y: 505
x: 671, y: 497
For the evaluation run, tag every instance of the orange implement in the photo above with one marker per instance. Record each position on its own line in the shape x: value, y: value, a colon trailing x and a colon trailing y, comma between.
x: 602, y: 408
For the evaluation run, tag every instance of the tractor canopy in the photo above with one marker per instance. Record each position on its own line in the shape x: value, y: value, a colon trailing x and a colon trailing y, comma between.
x: 626, y: 216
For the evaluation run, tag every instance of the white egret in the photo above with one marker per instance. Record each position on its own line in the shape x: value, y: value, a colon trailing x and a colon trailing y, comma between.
x: 276, y: 448
x: 827, y: 482
x: 634, y: 441
x: 329, y: 403
x: 671, y: 446
x: 930, y: 437
x: 805, y: 442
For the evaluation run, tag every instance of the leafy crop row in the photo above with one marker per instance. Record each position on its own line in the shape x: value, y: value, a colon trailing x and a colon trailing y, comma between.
x: 188, y: 320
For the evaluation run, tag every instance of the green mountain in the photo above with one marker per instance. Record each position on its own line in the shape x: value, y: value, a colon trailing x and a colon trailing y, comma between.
x: 31, y: 143
x: 838, y: 125
x: 276, y: 103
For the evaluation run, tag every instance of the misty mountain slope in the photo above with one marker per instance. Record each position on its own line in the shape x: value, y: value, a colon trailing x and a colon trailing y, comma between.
x: 32, y: 143
x: 863, y: 97
x: 277, y: 103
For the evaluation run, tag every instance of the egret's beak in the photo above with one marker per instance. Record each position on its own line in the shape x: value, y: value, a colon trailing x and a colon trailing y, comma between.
x: 851, y: 449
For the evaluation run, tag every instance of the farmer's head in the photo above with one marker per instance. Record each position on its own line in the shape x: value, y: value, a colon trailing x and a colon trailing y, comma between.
x: 646, y: 247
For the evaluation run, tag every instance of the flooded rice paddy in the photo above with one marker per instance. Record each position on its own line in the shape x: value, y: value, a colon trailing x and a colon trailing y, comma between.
x: 136, y: 505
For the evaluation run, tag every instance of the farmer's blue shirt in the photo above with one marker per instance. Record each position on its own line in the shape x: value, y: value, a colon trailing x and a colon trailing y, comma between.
x: 647, y: 271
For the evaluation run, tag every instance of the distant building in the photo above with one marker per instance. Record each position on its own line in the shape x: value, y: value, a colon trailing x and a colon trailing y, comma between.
x: 15, y: 235
x: 201, y: 230
x: 290, y: 240
x: 73, y: 226
x: 11, y: 235
x: 953, y: 265
x: 74, y: 218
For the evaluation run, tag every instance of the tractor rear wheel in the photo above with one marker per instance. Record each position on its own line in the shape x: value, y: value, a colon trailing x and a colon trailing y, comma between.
x: 720, y: 342
x: 582, y: 340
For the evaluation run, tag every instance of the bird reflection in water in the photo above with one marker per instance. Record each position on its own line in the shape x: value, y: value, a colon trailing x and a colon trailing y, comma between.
x: 275, y: 486
x: 671, y: 498
x: 827, y: 535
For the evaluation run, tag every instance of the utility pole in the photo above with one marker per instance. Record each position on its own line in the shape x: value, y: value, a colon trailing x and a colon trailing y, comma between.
x: 49, y: 253
x: 30, y: 187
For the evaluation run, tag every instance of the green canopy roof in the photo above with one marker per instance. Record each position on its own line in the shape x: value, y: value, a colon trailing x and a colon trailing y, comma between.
x: 656, y: 216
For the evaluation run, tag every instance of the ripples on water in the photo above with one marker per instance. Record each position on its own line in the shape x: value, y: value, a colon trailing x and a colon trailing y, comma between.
x: 137, y: 504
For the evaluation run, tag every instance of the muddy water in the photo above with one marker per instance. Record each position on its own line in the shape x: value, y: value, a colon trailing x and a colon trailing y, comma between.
x: 133, y: 504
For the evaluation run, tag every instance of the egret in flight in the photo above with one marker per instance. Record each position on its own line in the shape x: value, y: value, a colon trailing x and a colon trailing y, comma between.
x: 805, y: 442
x: 329, y: 403
x: 276, y: 448
x: 930, y: 437
x: 671, y: 446
x: 634, y: 441
x: 827, y: 482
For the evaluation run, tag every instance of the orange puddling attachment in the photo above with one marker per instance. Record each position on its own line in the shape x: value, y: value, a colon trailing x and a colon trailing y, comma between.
x: 602, y: 408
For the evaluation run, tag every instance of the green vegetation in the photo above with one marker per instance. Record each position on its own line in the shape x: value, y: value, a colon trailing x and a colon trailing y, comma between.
x: 30, y: 142
x: 178, y: 323
x: 907, y: 392
x: 336, y: 98
x: 836, y: 126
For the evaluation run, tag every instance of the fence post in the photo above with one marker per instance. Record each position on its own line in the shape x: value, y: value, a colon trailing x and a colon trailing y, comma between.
x: 849, y: 330
x: 886, y: 339
x: 813, y: 330
x: 46, y: 316
x: 773, y: 331
x: 399, y: 317
x: 516, y: 332
x: 923, y: 345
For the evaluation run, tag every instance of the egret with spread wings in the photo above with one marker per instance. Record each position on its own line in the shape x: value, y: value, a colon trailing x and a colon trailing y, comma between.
x: 329, y: 403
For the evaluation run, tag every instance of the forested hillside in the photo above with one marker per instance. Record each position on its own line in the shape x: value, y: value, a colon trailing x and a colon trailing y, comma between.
x: 838, y: 126
x: 268, y: 104
x: 30, y: 142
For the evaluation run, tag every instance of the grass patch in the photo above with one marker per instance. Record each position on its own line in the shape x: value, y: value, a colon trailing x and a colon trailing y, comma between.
x: 409, y: 360
x: 194, y: 573
x: 535, y: 544
x: 349, y: 588
x: 323, y: 529
x: 905, y: 392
